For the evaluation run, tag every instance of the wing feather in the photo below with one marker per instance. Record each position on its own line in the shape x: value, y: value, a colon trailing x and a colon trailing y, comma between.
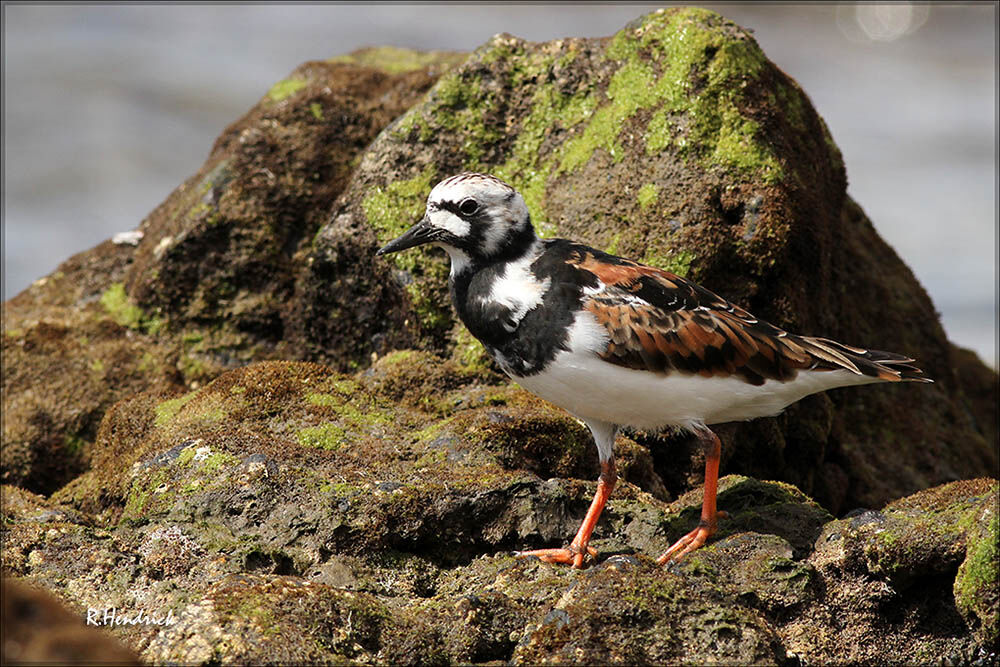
x: 658, y: 321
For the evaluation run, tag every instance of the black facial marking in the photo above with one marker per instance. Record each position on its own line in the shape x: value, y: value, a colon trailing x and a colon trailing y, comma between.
x: 452, y: 207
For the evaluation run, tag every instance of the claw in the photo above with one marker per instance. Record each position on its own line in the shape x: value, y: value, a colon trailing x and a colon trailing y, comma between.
x: 571, y: 555
x: 579, y: 549
x: 686, y: 544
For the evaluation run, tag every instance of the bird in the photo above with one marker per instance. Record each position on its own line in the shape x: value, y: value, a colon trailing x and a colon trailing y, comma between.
x: 620, y: 344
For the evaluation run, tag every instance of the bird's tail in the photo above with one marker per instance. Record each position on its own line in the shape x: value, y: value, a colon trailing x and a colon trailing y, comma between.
x: 886, y: 366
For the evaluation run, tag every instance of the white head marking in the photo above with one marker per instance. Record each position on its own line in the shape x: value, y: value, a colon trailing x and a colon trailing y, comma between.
x: 477, y: 210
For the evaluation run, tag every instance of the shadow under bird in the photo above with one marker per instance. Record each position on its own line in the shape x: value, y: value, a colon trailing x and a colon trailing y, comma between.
x: 617, y: 343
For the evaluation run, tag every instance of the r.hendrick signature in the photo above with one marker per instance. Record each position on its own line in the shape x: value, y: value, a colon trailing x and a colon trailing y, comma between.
x: 111, y: 616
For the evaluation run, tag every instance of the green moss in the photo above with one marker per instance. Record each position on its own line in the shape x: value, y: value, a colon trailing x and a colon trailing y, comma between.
x: 141, y: 491
x: 73, y: 443
x: 659, y: 132
x: 982, y: 567
x: 253, y: 605
x: 502, y: 48
x: 976, y: 588
x: 168, y: 409
x: 615, y: 243
x: 285, y: 88
x: 186, y: 455
x: 400, y: 357
x: 325, y: 436
x: 549, y: 111
x: 362, y: 418
x: 196, y: 469
x: 719, y: 134
x: 217, y: 460
x: 393, y: 209
x: 96, y: 365
x: 432, y: 431
x: 324, y: 400
x: 393, y: 60
x: 192, y: 367
x: 316, y: 110
x: 147, y: 362
x: 431, y: 458
x: 736, y: 147
x: 678, y: 262
x: 647, y: 195
x: 410, y: 121
x: 469, y: 353
x: 792, y: 102
x: 153, y: 325
x: 456, y: 104
x: 120, y: 308
x: 209, y: 408
x: 190, y: 487
x: 631, y: 88
x: 432, y: 313
x: 340, y: 489
x: 699, y: 89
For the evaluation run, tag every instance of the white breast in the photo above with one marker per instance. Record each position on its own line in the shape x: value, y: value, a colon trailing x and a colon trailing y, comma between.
x: 518, y: 288
x: 582, y: 383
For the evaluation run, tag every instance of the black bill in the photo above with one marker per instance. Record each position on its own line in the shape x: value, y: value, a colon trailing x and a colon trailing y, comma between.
x: 418, y: 234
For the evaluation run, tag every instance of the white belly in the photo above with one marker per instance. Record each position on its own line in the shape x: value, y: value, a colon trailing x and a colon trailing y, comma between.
x: 582, y: 383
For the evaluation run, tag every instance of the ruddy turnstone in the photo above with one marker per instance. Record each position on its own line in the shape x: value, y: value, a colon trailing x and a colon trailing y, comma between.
x: 617, y: 343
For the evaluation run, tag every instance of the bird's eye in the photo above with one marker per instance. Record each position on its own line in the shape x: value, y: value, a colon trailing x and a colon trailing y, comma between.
x: 468, y: 206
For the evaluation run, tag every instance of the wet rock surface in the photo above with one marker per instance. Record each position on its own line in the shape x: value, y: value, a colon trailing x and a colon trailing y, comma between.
x: 359, y: 501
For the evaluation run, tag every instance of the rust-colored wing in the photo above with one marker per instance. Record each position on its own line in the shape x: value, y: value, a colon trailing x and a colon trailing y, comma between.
x: 660, y: 322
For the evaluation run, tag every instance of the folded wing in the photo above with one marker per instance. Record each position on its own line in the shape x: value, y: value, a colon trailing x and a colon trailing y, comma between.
x: 660, y: 322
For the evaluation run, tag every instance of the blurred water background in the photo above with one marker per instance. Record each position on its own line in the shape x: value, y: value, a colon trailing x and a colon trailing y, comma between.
x: 107, y: 108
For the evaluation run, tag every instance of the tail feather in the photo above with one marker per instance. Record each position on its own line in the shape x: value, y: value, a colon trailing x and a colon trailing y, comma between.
x: 887, y: 366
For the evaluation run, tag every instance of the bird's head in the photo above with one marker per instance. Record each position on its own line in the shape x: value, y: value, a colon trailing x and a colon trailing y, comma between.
x: 477, y: 218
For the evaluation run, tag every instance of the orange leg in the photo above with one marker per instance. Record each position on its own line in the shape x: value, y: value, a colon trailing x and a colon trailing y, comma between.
x: 578, y: 549
x: 709, y: 515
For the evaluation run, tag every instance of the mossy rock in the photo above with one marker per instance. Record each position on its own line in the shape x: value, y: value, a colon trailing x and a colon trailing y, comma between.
x: 919, y: 571
x: 363, y: 510
x: 623, y: 613
x: 920, y: 536
x: 208, y: 286
x: 256, y: 586
x: 280, y: 446
x: 60, y: 376
x: 977, y: 592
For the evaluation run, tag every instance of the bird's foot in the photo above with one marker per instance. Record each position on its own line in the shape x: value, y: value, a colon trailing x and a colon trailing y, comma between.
x: 691, y: 541
x: 571, y: 555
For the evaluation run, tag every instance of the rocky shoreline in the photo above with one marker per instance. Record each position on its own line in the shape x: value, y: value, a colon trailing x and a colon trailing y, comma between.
x: 239, y: 421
